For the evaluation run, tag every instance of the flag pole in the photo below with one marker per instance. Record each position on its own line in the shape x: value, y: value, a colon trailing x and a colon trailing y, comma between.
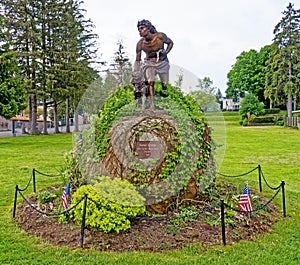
x: 83, y: 220
x: 223, y: 222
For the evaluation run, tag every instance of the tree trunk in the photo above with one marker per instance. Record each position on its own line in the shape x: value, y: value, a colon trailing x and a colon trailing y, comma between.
x: 56, y: 129
x: 67, y: 115
x: 45, y: 114
x: 76, y: 125
x: 33, y: 115
x: 289, y: 107
x: 23, y: 127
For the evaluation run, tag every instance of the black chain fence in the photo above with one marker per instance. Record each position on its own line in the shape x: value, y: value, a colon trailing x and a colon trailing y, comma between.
x: 190, y: 216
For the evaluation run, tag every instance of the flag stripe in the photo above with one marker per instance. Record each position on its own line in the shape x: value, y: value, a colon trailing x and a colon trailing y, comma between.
x: 65, y: 197
x: 245, y: 202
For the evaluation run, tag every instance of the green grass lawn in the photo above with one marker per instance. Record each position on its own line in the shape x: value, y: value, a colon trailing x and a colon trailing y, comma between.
x: 276, y: 149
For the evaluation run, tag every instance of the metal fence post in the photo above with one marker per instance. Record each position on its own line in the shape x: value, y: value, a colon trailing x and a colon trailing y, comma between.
x: 83, y: 220
x: 223, y: 222
x: 15, y: 202
x: 259, y: 178
x: 283, y: 198
x: 33, y: 180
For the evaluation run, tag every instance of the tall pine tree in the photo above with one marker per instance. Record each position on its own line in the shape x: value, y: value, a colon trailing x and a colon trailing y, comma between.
x: 121, y: 68
x: 55, y: 47
x: 283, y: 67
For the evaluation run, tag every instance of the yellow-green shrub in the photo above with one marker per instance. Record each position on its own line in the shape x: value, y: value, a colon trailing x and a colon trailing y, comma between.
x: 116, y: 200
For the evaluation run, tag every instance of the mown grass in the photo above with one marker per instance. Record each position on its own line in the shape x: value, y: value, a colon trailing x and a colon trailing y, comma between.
x: 276, y: 149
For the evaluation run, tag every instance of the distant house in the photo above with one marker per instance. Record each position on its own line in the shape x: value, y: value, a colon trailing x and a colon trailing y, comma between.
x: 228, y: 104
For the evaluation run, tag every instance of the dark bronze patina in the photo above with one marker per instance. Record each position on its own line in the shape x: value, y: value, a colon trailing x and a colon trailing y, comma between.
x: 156, y: 61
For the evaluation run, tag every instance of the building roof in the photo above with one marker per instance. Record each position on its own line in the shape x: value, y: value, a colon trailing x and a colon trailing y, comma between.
x: 25, y: 118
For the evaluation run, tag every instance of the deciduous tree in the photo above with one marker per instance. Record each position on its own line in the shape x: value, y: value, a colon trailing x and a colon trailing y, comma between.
x: 205, y: 95
x: 12, y: 92
x: 248, y: 74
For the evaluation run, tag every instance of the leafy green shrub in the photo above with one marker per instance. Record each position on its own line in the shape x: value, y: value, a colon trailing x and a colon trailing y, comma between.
x: 275, y: 119
x: 66, y: 217
x: 263, y: 119
x: 279, y: 123
x: 272, y: 111
x: 252, y: 105
x: 119, y: 191
x: 244, y: 122
x: 45, y: 196
x: 111, y: 202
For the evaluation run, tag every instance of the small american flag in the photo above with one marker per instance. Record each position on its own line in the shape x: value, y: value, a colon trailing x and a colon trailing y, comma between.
x: 245, y: 202
x: 65, y: 197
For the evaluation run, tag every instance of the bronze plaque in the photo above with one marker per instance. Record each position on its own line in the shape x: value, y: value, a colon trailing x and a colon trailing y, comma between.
x: 148, y: 149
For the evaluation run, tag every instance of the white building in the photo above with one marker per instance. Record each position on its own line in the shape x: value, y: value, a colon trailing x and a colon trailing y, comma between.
x: 228, y: 104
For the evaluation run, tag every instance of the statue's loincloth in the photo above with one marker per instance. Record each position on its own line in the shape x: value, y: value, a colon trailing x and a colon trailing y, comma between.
x: 151, y: 68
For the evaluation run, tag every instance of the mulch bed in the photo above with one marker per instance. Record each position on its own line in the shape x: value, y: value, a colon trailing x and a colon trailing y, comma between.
x: 154, y: 236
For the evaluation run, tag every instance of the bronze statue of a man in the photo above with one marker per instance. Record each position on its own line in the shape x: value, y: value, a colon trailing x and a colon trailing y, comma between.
x: 156, y: 60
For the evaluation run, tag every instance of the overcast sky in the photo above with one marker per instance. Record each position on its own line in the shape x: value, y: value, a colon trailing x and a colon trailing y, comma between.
x: 207, y: 35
